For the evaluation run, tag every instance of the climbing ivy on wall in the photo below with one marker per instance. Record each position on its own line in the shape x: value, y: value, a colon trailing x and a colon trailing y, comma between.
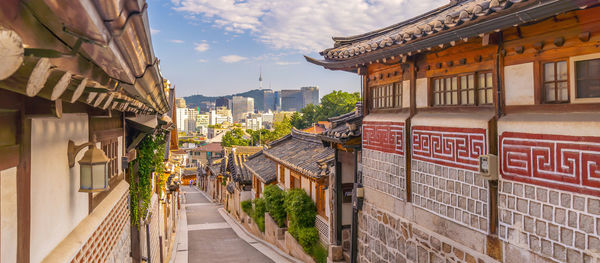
x: 150, y: 156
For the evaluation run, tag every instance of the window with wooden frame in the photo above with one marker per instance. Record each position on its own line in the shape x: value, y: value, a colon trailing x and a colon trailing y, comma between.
x: 294, y: 182
x: 320, y: 200
x: 387, y: 96
x: 111, y: 149
x: 555, y: 82
x: 587, y: 78
x: 463, y: 90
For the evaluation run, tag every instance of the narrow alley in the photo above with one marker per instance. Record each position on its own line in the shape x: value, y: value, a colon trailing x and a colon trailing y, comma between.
x: 212, y: 236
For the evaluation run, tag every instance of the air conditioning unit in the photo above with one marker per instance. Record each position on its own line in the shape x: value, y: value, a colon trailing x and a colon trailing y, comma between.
x: 488, y: 167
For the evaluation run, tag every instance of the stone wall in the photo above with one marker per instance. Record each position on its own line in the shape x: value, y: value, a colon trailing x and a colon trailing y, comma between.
x: 386, y: 237
x: 384, y: 172
x: 555, y: 224
x: 455, y: 194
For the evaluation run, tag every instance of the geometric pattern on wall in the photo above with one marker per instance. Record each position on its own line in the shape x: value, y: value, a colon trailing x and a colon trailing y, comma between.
x: 102, y: 242
x: 453, y: 147
x: 384, y: 136
x: 570, y: 163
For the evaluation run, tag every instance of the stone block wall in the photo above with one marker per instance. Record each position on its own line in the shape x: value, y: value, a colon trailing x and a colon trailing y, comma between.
x: 384, y: 172
x: 456, y: 194
x: 386, y: 237
x: 559, y: 225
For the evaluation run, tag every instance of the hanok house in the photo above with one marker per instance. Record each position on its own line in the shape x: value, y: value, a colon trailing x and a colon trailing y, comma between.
x: 214, y: 179
x: 69, y: 80
x: 239, y: 183
x: 470, y: 81
x: 303, y: 163
x: 263, y: 171
x: 344, y: 136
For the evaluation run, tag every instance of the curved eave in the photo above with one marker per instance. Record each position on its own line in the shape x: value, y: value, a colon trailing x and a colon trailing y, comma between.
x: 471, y: 29
x: 360, y: 37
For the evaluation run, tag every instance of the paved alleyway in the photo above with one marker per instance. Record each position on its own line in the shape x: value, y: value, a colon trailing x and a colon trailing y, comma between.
x: 211, y: 238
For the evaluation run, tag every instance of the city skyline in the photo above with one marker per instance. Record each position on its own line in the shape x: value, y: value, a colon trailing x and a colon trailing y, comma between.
x: 201, y: 44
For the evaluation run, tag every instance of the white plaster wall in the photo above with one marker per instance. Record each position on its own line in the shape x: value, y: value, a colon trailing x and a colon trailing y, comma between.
x: 574, y: 124
x: 8, y: 207
x: 422, y: 93
x: 406, y: 94
x: 518, y: 83
x: 57, y: 206
x: 472, y: 120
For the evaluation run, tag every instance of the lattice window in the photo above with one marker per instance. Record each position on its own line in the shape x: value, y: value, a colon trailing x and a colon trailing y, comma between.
x: 556, y: 82
x: 111, y: 149
x: 463, y: 89
x: 387, y: 96
x: 587, y: 76
x: 320, y: 198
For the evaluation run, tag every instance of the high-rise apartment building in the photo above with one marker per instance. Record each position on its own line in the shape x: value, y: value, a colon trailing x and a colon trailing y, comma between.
x: 242, y: 106
x: 310, y: 95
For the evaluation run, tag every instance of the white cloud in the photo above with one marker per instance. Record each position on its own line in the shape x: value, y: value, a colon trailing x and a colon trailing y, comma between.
x: 202, y: 60
x: 232, y: 58
x: 154, y: 31
x: 176, y: 41
x: 201, y: 47
x: 304, y: 25
x: 285, y: 63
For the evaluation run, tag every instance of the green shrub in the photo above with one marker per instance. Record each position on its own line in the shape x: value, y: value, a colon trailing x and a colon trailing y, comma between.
x: 247, y: 207
x: 274, y: 201
x: 259, y: 207
x: 300, y: 208
x: 319, y: 253
x: 308, y: 237
x: 260, y: 222
x: 259, y: 213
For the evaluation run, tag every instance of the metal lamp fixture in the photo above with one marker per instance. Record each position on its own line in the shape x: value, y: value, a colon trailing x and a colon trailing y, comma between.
x: 93, y: 166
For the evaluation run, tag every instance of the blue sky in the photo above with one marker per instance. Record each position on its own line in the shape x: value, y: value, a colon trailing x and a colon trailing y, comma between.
x: 216, y: 47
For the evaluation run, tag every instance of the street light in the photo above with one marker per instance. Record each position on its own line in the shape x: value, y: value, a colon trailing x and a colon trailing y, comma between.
x: 93, y: 166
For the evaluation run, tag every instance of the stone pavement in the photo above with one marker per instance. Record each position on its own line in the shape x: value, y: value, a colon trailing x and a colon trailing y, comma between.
x: 208, y: 237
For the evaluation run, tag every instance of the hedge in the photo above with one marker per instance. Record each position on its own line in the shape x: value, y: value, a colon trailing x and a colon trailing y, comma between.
x: 275, y: 199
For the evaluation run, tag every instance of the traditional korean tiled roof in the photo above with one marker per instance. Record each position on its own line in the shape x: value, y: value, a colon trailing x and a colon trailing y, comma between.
x: 345, y: 126
x: 230, y: 187
x: 460, y: 19
x: 300, y: 151
x: 215, y: 166
x: 234, y: 165
x: 262, y: 167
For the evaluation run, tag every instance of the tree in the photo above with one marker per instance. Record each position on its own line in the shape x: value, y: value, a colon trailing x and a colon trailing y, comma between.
x: 337, y: 103
x: 264, y: 136
x: 333, y: 104
x: 234, y: 137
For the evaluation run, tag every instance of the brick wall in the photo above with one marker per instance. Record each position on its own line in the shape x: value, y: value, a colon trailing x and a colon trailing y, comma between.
x: 456, y: 194
x: 110, y: 241
x: 556, y: 224
x: 386, y: 237
x: 384, y: 172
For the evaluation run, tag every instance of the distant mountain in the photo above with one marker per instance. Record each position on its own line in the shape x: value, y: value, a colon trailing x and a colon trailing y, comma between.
x: 257, y: 95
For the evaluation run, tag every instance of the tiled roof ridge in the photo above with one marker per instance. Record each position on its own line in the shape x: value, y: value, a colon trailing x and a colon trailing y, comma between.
x: 338, y: 41
x: 276, y: 142
x: 305, y: 136
x: 422, y: 26
x: 256, y: 154
x: 291, y: 165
